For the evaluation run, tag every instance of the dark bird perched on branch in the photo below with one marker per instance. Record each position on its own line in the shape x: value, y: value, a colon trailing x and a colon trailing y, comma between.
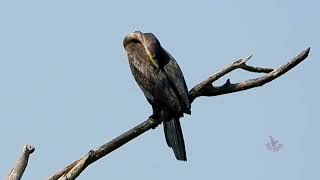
x: 163, y: 84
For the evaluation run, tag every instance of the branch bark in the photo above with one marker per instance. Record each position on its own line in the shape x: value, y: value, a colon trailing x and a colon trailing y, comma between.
x: 17, y: 172
x: 75, y: 171
x: 204, y: 88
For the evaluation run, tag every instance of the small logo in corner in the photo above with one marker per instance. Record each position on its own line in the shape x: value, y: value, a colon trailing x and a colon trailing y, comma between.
x: 273, y: 145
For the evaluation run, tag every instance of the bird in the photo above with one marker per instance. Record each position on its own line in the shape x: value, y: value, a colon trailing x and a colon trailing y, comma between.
x: 161, y: 80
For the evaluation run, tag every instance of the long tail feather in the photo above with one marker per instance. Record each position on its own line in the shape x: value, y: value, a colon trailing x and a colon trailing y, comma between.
x: 174, y: 138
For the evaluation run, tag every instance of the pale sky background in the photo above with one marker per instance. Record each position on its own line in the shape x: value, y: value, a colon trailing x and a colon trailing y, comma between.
x: 66, y: 88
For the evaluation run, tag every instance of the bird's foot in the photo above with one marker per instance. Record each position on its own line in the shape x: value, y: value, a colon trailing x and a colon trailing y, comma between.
x: 155, y: 120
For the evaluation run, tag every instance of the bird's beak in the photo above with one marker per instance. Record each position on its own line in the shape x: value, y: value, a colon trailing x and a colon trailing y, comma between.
x: 134, y: 36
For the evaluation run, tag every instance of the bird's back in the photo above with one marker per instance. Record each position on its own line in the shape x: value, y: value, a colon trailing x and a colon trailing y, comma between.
x: 177, y: 81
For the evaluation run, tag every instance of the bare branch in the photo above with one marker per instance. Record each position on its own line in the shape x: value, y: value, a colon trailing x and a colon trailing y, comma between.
x: 75, y: 171
x: 63, y: 171
x: 199, y: 89
x: 17, y: 172
x: 205, y: 88
x: 254, y: 69
x: 112, y: 145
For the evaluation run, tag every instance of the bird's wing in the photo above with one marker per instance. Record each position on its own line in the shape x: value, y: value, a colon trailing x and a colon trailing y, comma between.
x: 176, y: 79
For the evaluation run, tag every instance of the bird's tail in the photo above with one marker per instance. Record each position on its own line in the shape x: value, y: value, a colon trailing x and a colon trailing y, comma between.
x: 174, y: 138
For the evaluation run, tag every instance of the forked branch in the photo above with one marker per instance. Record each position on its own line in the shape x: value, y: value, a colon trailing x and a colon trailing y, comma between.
x: 206, y: 88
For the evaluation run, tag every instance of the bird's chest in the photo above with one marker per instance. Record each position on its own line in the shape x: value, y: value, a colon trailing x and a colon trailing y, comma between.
x: 144, y: 72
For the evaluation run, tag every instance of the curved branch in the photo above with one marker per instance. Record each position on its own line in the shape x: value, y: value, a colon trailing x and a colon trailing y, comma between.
x: 205, y: 88
x: 17, y: 172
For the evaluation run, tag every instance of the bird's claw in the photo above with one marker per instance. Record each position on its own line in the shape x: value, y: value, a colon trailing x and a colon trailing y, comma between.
x: 154, y: 121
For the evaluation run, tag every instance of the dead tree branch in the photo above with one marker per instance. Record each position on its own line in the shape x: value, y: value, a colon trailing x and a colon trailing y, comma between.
x: 205, y: 88
x: 75, y: 171
x: 110, y: 146
x: 17, y: 172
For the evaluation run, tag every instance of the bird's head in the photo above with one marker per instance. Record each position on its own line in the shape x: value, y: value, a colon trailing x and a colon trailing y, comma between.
x: 148, y: 40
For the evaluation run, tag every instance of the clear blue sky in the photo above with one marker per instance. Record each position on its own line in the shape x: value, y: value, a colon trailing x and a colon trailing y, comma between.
x: 66, y: 87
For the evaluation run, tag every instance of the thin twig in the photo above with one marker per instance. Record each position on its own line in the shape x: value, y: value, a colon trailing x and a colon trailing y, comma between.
x: 205, y: 88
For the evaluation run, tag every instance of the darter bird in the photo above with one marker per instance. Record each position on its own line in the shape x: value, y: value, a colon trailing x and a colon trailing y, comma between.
x: 162, y: 82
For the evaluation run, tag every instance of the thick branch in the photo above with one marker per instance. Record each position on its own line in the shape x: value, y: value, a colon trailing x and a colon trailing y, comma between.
x: 111, y: 146
x: 205, y: 88
x: 17, y: 172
